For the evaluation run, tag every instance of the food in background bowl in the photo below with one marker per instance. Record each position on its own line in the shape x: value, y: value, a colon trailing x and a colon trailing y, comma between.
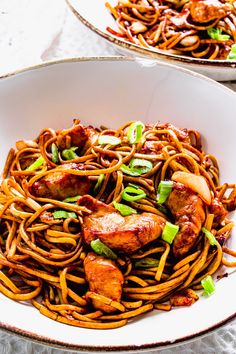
x: 99, y: 226
x: 212, y: 42
x: 197, y: 28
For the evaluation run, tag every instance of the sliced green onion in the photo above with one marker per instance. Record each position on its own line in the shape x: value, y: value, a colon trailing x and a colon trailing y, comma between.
x: 125, y: 210
x: 36, y: 164
x: 210, y: 236
x: 69, y: 154
x: 128, y: 171
x: 208, y: 285
x: 169, y: 232
x: 143, y: 165
x: 63, y: 214
x: 137, y: 167
x: 55, y: 155
x: 101, y: 249
x: 130, y: 194
x: 108, y: 139
x: 163, y: 191
x: 72, y: 199
x: 135, y: 132
x: 232, y: 54
x: 99, y: 182
x: 133, y: 185
x: 147, y: 263
x: 216, y: 33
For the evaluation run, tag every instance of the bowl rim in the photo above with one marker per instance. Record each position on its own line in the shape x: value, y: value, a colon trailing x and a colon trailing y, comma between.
x: 150, y: 53
x: 43, y: 340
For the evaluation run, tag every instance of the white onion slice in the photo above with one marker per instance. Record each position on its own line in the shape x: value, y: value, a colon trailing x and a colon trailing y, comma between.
x: 197, y: 183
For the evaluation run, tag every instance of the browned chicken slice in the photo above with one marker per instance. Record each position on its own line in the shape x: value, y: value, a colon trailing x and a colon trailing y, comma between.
x: 188, y: 211
x: 126, y: 234
x: 47, y: 218
x: 60, y: 185
x: 218, y: 210
x: 155, y: 146
x: 79, y: 135
x: 185, y: 297
x: 231, y: 205
x: 181, y: 133
x: 179, y: 20
x: 152, y: 147
x: 224, y: 51
x: 104, y: 278
x: 203, y: 11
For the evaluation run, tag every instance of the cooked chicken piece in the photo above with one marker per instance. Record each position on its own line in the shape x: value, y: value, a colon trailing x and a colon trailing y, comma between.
x: 203, y: 11
x: 126, y: 234
x: 23, y: 144
x: 60, y: 185
x: 188, y: 211
x: 218, y: 210
x: 181, y: 133
x: 179, y: 19
x: 155, y: 146
x: 80, y: 136
x: 224, y: 51
x: 47, y: 218
x: 138, y: 27
x: 232, y: 201
x: 185, y: 297
x: 152, y: 147
x: 104, y: 278
x: 189, y: 41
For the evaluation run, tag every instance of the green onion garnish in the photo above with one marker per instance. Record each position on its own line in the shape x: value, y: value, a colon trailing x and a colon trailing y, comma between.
x: 163, y: 191
x: 208, y: 285
x: 135, y: 132
x: 133, y: 185
x: 40, y: 160
x: 210, y: 236
x: 63, y: 214
x: 147, y: 263
x: 137, y: 167
x: 101, y: 249
x: 55, y: 155
x: 141, y: 164
x: 124, y: 210
x: 69, y: 154
x: 128, y: 171
x: 108, y: 139
x: 232, y: 54
x: 99, y: 182
x: 72, y: 199
x: 169, y: 232
x: 130, y: 194
x: 216, y: 33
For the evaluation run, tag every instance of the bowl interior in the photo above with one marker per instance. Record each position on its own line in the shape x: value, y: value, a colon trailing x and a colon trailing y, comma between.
x: 111, y: 92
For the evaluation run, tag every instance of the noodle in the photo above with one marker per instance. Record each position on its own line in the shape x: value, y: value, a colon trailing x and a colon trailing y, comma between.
x: 43, y: 248
x: 199, y: 29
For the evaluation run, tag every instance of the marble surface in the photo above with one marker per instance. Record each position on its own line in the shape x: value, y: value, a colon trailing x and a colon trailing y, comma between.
x: 32, y: 32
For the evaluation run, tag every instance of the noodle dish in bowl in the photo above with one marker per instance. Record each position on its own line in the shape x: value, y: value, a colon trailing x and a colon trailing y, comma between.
x: 121, y: 220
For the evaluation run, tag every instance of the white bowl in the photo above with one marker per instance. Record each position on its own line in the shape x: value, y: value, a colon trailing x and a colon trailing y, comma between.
x: 111, y: 92
x: 95, y: 16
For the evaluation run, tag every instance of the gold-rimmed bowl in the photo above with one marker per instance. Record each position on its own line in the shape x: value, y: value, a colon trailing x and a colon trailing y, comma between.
x: 111, y: 91
x: 97, y: 18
